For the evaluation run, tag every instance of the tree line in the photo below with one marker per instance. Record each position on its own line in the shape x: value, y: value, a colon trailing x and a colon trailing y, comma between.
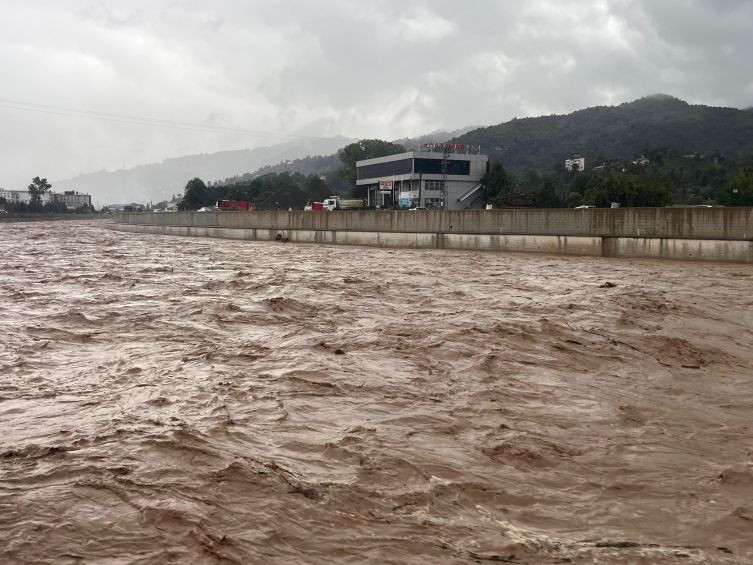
x: 285, y: 189
x: 269, y: 192
x: 664, y: 178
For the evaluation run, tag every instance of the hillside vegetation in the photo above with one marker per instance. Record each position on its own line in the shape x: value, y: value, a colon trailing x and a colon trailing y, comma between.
x: 692, y: 154
x: 616, y: 132
x: 276, y: 191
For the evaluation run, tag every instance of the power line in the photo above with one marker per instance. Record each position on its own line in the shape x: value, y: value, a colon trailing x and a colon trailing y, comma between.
x: 145, y: 121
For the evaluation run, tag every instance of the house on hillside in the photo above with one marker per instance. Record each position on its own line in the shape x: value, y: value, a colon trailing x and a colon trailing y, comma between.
x: 575, y: 163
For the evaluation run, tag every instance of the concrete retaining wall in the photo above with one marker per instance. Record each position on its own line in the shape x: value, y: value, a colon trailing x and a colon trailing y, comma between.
x: 677, y: 223
x: 739, y: 251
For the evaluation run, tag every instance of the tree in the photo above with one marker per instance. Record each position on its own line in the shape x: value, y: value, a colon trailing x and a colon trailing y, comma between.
x: 85, y: 209
x: 315, y: 187
x: 738, y: 191
x: 37, y: 188
x: 627, y: 189
x: 55, y: 206
x: 546, y: 196
x: 195, y: 195
x: 364, y: 149
x: 496, y: 183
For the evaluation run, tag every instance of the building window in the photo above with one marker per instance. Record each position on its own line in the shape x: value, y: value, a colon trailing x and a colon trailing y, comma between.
x: 434, y: 167
x: 434, y: 203
x: 433, y: 185
x: 378, y: 170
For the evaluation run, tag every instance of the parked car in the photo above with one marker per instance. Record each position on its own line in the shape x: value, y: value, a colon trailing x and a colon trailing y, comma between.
x: 205, y: 209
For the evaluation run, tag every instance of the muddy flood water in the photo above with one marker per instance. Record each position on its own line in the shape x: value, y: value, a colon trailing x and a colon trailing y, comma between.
x: 182, y: 400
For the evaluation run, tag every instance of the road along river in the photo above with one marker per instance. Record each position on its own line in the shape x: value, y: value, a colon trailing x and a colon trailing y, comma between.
x: 167, y: 399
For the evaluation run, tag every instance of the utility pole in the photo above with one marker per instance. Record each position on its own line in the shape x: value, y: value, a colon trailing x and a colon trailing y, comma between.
x: 445, y: 162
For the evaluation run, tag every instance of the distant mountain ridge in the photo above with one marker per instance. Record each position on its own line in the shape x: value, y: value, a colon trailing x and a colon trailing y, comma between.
x: 158, y: 181
x: 626, y: 131
x: 527, y: 144
x: 327, y: 164
x: 616, y: 132
x: 436, y: 136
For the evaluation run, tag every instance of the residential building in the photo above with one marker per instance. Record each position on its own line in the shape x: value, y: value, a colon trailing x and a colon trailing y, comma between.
x: 73, y: 199
x: 19, y: 196
x: 575, y: 163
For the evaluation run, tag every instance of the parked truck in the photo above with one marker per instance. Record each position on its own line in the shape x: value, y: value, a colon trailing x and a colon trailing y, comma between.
x: 337, y: 203
x: 236, y: 206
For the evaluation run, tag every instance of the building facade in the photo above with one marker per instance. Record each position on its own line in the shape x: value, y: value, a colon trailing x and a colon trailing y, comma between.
x: 73, y: 199
x: 575, y: 163
x: 443, y: 177
x: 19, y: 196
x: 70, y: 198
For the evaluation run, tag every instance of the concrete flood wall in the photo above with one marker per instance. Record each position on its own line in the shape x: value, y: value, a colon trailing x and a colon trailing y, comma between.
x: 713, y: 234
x: 689, y: 223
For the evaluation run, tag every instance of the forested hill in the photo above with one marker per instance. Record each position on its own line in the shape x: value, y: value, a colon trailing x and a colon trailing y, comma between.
x: 616, y: 132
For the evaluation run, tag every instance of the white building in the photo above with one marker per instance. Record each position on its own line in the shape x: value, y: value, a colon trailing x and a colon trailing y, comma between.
x: 575, y: 163
x: 444, y: 176
x: 18, y: 196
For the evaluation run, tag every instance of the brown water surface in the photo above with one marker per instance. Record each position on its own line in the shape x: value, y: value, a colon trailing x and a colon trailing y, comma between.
x: 168, y: 399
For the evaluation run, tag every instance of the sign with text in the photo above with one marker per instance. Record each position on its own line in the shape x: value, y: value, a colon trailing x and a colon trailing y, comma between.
x: 385, y: 185
x: 450, y: 148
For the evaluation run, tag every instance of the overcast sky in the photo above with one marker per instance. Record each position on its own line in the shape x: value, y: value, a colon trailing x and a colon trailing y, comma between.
x: 376, y: 68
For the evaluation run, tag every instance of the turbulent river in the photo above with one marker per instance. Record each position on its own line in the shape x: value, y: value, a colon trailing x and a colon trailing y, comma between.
x: 167, y: 399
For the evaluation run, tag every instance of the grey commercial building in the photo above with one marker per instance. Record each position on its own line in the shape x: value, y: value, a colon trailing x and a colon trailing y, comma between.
x: 446, y: 180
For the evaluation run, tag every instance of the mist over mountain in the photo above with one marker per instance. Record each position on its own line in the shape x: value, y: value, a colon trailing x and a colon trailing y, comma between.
x: 329, y: 164
x: 436, y: 136
x: 159, y: 181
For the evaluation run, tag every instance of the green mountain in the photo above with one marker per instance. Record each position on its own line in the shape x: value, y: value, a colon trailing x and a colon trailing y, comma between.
x: 616, y: 132
x: 696, y: 154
